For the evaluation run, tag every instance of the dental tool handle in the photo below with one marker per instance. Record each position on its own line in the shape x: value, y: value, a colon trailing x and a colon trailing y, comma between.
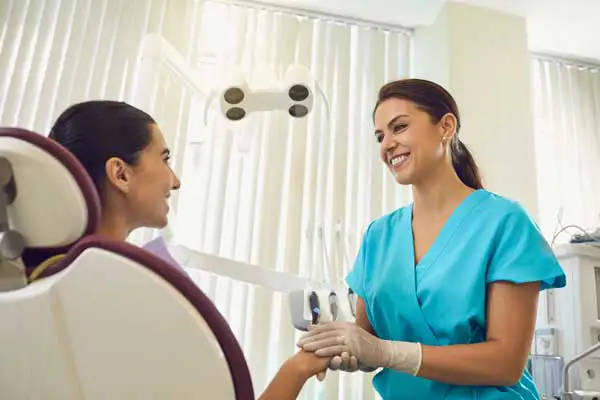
x: 333, y: 305
x: 315, y: 310
x: 352, y: 301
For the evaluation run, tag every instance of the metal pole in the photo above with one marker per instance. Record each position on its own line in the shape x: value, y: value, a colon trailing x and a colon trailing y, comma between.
x: 566, y: 384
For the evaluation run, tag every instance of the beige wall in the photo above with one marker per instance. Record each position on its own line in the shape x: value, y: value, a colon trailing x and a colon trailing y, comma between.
x: 481, y: 56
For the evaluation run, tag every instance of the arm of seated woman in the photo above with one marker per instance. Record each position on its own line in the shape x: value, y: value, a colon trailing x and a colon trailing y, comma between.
x: 293, y: 374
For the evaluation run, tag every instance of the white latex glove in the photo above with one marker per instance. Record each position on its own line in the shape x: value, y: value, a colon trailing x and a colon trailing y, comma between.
x: 347, y: 363
x: 344, y: 362
x: 336, y: 338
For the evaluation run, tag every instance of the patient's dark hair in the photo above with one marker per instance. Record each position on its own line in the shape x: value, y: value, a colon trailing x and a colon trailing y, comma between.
x: 95, y: 131
x: 437, y: 102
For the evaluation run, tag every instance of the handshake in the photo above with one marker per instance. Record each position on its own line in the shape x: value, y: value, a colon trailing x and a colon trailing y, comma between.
x: 350, y: 347
x: 330, y: 341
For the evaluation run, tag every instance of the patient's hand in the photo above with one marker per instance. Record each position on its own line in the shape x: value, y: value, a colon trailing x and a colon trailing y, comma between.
x: 341, y: 362
x: 308, y: 364
x: 293, y: 374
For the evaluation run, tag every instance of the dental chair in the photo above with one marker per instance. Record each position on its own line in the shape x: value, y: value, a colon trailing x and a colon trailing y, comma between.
x: 102, y: 319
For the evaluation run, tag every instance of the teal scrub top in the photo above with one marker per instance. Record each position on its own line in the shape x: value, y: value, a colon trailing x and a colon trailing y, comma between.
x: 442, y: 301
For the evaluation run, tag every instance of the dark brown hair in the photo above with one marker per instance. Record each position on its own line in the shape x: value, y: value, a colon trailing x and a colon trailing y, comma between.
x: 437, y: 102
x: 95, y: 131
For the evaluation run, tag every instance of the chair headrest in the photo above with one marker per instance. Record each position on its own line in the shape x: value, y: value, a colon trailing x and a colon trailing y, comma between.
x: 54, y: 202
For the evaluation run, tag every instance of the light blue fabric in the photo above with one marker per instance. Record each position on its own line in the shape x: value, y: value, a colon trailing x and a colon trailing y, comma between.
x: 441, y: 301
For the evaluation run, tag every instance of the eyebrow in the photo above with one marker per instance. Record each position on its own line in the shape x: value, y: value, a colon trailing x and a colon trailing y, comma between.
x: 165, y: 152
x: 392, y: 122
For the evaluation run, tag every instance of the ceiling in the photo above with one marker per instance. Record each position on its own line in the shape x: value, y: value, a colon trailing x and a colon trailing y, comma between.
x: 406, y: 13
x: 563, y: 27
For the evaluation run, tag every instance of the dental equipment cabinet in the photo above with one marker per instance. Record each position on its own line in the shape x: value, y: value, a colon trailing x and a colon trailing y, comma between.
x: 564, y: 360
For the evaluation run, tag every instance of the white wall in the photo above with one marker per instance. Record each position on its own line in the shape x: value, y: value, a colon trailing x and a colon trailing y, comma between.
x: 481, y: 56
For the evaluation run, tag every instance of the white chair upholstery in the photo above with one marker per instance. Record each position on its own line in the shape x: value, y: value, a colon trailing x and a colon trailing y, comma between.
x: 108, y: 320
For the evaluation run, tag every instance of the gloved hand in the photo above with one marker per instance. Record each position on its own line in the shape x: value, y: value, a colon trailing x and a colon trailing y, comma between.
x: 347, y: 363
x: 344, y: 362
x: 342, y: 337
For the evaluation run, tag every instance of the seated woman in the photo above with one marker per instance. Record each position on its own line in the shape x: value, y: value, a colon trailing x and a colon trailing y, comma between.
x: 125, y: 153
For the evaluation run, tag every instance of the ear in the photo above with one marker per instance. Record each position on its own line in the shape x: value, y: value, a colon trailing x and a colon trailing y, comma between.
x: 118, y: 174
x: 448, y: 125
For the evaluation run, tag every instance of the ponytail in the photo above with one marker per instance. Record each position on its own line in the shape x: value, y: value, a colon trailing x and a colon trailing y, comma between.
x: 464, y: 164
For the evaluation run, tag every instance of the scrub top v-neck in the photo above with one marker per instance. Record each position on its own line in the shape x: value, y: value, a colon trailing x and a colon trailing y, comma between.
x: 441, y: 300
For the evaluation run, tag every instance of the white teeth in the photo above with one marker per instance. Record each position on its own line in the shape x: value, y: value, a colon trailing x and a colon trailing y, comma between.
x: 398, y: 159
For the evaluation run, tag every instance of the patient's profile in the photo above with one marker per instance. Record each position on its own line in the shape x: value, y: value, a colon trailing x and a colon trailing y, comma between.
x: 126, y: 155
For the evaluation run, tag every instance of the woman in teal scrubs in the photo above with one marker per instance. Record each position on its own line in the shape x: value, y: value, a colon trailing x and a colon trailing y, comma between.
x: 448, y: 286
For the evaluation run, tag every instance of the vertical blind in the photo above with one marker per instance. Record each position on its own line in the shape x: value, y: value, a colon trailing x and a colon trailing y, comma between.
x: 292, y: 195
x: 567, y: 138
x: 57, y: 52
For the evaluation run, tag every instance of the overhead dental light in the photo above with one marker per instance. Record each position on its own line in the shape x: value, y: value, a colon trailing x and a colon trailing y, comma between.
x: 238, y: 95
x: 295, y: 95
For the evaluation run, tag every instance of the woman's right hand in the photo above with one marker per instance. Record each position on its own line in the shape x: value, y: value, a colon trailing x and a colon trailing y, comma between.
x: 344, y: 362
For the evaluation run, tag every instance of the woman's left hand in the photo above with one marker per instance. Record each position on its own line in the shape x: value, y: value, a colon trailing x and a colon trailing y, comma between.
x: 335, y: 338
x: 309, y: 364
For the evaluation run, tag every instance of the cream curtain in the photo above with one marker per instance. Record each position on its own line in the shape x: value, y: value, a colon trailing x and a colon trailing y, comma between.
x: 567, y: 132
x: 57, y: 52
x: 292, y: 195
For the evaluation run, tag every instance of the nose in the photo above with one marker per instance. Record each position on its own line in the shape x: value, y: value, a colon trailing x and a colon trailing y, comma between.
x: 176, y: 182
x: 388, y: 143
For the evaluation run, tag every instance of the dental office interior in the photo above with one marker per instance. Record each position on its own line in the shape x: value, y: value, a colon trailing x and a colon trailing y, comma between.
x: 279, y: 187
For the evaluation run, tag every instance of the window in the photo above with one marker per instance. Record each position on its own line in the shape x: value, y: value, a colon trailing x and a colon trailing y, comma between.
x: 267, y: 191
x: 567, y: 138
